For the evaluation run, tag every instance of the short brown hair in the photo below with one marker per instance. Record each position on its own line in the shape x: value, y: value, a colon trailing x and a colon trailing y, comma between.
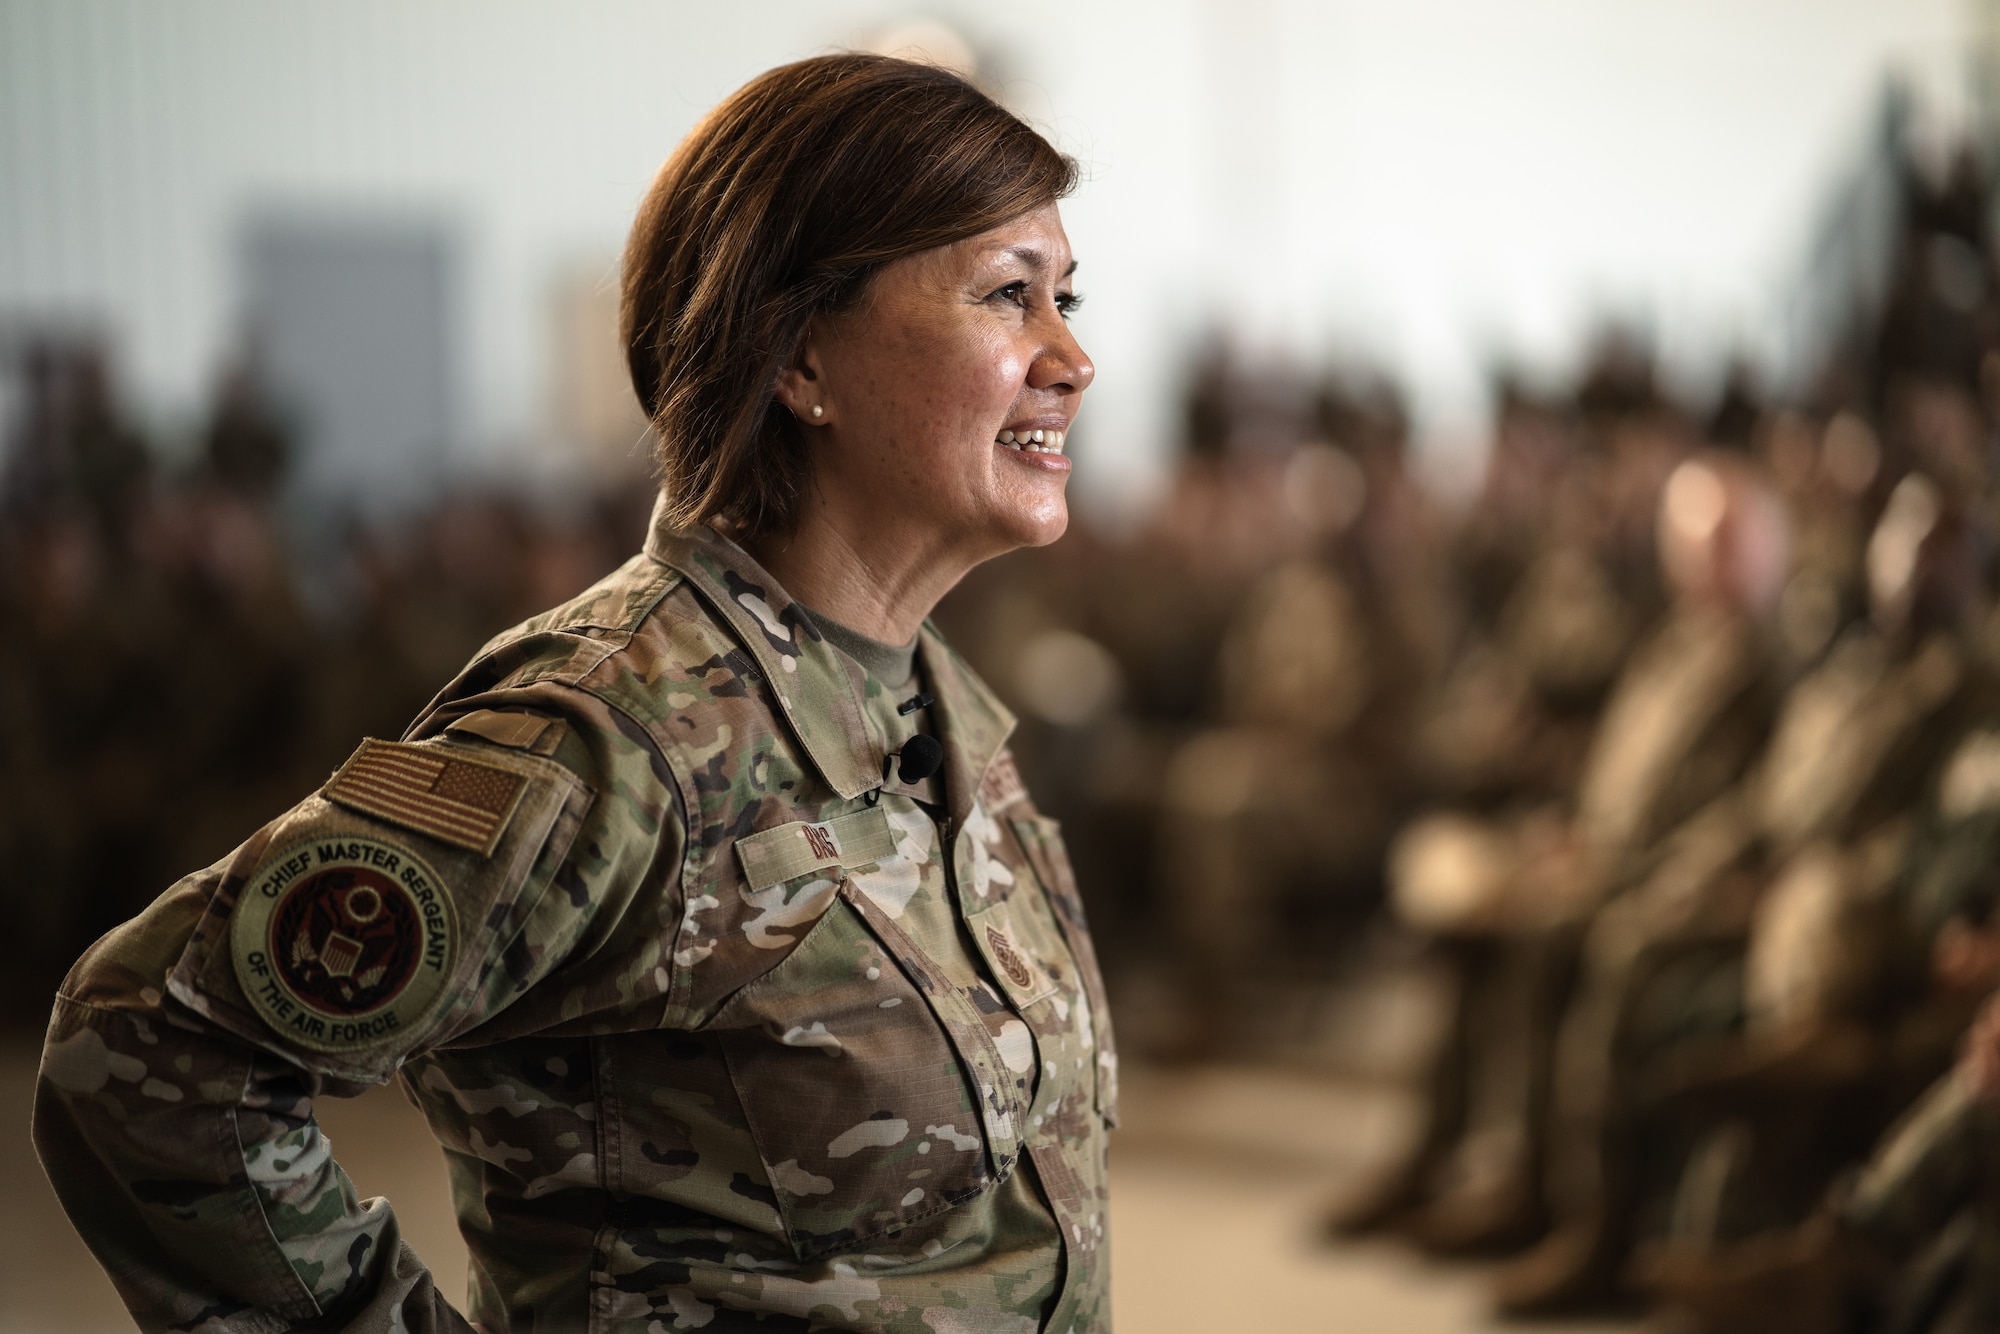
x: 780, y: 206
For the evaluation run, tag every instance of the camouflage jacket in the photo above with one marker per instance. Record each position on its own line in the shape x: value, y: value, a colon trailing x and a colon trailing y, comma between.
x: 716, y: 1024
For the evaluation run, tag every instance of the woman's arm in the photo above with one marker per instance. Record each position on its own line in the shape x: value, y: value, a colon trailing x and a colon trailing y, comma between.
x: 174, y: 1111
x: 191, y: 1163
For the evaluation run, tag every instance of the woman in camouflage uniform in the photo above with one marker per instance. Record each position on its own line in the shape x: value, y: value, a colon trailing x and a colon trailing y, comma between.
x: 733, y: 1002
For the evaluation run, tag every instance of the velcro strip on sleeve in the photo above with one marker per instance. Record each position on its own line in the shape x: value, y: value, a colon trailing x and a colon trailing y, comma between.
x: 452, y: 799
x: 859, y: 838
x: 516, y: 731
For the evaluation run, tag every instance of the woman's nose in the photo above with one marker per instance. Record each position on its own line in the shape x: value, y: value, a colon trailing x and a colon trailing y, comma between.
x: 1062, y: 364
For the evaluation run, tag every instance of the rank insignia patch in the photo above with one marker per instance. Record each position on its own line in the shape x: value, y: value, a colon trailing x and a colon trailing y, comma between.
x: 1011, y: 963
x: 343, y: 943
x: 453, y: 800
x: 1001, y: 787
x: 1028, y: 983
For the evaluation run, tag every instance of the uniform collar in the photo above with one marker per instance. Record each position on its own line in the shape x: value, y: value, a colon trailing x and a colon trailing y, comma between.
x: 971, y: 721
x: 813, y: 688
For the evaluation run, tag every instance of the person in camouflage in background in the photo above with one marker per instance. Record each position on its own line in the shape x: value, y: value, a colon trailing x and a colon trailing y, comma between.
x: 1887, y: 1232
x: 1513, y: 896
x: 721, y: 945
x: 1907, y: 1241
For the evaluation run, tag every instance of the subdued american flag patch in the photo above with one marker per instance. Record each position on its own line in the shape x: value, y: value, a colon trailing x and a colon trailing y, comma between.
x: 453, y: 800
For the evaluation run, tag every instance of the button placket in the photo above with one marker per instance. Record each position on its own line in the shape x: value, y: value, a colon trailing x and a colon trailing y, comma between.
x: 1040, y: 840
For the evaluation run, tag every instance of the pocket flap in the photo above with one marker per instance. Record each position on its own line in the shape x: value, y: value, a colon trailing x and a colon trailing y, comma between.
x: 1000, y: 1099
x: 859, y: 838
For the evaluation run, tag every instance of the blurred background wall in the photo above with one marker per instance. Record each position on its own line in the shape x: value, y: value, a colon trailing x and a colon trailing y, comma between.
x: 1427, y: 186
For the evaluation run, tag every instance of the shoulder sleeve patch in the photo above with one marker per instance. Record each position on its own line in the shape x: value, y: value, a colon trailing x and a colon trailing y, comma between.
x: 859, y: 838
x: 343, y: 942
x: 454, y: 800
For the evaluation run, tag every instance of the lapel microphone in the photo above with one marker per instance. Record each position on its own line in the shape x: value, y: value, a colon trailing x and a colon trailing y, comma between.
x: 920, y: 757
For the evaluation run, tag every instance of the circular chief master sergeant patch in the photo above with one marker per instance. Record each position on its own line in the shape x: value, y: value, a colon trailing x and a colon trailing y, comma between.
x: 343, y: 943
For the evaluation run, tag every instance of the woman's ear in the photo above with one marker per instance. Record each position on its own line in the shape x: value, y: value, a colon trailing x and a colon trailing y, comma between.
x: 801, y: 387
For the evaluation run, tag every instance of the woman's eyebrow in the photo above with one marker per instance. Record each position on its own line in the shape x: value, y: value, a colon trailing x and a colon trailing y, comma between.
x: 1035, y: 259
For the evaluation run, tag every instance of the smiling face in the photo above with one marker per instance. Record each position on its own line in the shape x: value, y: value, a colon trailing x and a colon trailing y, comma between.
x: 946, y: 393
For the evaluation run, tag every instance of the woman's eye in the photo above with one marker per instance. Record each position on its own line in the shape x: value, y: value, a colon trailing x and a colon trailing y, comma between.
x: 1015, y: 293
x: 1068, y: 303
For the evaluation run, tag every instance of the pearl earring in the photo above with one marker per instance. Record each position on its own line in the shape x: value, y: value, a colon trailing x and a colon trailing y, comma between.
x: 818, y: 412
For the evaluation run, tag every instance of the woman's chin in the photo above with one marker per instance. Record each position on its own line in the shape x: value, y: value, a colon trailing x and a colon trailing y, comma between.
x: 1028, y: 504
x: 1038, y: 524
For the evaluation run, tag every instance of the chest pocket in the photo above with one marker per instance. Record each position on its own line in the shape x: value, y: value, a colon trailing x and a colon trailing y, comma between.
x: 1041, y: 841
x: 868, y: 1079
